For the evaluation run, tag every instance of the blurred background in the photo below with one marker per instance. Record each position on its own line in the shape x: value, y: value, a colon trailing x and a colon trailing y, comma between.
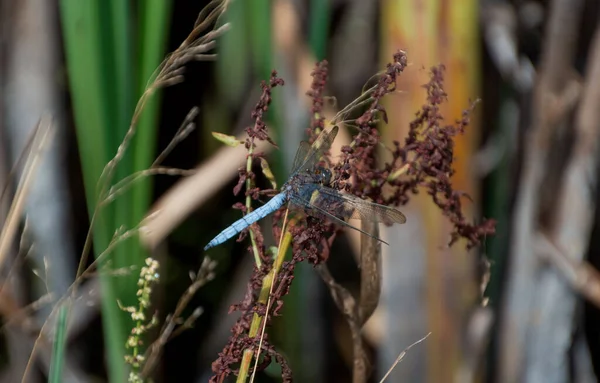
x: 523, y: 307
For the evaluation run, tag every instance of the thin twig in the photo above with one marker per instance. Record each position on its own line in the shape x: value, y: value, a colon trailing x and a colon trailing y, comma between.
x: 249, y: 185
x: 401, y: 356
x: 187, y: 126
x: 348, y: 306
x: 123, y: 185
x: 23, y: 156
x: 25, y: 312
x: 70, y: 293
x: 18, y: 202
x: 25, y: 249
x: 581, y: 276
x: 359, y: 101
x: 44, y: 134
x: 192, y: 191
x: 204, y: 275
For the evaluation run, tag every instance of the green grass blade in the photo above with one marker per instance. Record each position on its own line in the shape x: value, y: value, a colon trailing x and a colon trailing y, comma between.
x: 153, y: 31
x: 121, y: 66
x: 259, y: 16
x: 232, y: 61
x: 80, y: 29
x: 58, y: 350
x: 319, y: 27
x: 118, y: 49
x: 84, y: 27
x: 59, y: 347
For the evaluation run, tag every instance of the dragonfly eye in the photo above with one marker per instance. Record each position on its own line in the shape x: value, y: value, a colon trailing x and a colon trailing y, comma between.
x: 325, y: 176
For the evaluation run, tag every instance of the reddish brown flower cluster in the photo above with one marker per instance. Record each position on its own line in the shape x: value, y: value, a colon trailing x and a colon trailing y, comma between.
x: 429, y: 153
x: 315, y: 236
x: 317, y: 89
x: 358, y: 161
x: 424, y: 161
x: 239, y: 340
x: 257, y: 131
x: 307, y: 245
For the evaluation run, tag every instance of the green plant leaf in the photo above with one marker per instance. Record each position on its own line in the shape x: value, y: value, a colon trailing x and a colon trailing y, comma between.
x: 58, y: 350
x: 227, y: 139
x: 268, y: 173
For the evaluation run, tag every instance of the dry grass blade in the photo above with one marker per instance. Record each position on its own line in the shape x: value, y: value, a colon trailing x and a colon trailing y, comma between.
x: 123, y: 185
x: 168, y: 73
x: 72, y: 292
x: 209, y: 14
x: 44, y: 133
x: 347, y: 305
x: 187, y: 126
x: 23, y: 315
x: 401, y: 356
x: 192, y: 191
x: 83, y: 273
x: 581, y: 276
x: 370, y: 272
x: 20, y: 319
x: 204, y: 275
x: 360, y: 101
x: 25, y: 251
x: 118, y: 238
x: 22, y: 157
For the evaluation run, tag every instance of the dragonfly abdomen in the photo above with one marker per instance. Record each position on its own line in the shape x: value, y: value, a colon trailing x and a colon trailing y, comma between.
x: 247, y: 220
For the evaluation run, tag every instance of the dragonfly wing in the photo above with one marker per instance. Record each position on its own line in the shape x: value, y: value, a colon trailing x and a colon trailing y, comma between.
x: 319, y: 213
x: 349, y: 206
x: 300, y: 157
x: 314, y: 154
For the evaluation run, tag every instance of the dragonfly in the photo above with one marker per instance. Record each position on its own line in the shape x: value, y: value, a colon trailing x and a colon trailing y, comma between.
x: 308, y: 189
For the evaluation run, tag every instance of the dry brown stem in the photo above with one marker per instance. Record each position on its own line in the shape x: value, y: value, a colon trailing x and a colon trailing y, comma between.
x: 169, y: 330
x: 348, y: 306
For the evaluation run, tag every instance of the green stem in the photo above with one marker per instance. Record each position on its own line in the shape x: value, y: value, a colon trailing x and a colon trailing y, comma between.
x: 249, y: 206
x: 263, y: 298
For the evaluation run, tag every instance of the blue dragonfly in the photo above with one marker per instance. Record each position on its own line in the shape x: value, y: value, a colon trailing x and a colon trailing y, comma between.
x: 307, y: 189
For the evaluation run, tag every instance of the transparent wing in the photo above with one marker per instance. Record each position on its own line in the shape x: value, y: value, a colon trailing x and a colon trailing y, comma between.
x: 349, y: 206
x: 301, y: 154
x: 315, y: 211
x: 314, y: 154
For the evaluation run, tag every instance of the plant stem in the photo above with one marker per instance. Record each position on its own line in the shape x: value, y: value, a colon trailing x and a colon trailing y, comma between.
x: 249, y: 205
x: 265, y: 292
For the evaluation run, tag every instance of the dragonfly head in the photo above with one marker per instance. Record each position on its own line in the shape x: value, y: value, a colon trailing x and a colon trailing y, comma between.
x: 323, y: 175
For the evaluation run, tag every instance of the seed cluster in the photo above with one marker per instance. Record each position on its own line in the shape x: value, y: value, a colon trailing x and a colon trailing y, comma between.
x: 423, y: 161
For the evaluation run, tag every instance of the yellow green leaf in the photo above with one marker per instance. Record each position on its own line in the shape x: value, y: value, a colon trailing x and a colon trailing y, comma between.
x: 227, y: 139
x: 267, y: 172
